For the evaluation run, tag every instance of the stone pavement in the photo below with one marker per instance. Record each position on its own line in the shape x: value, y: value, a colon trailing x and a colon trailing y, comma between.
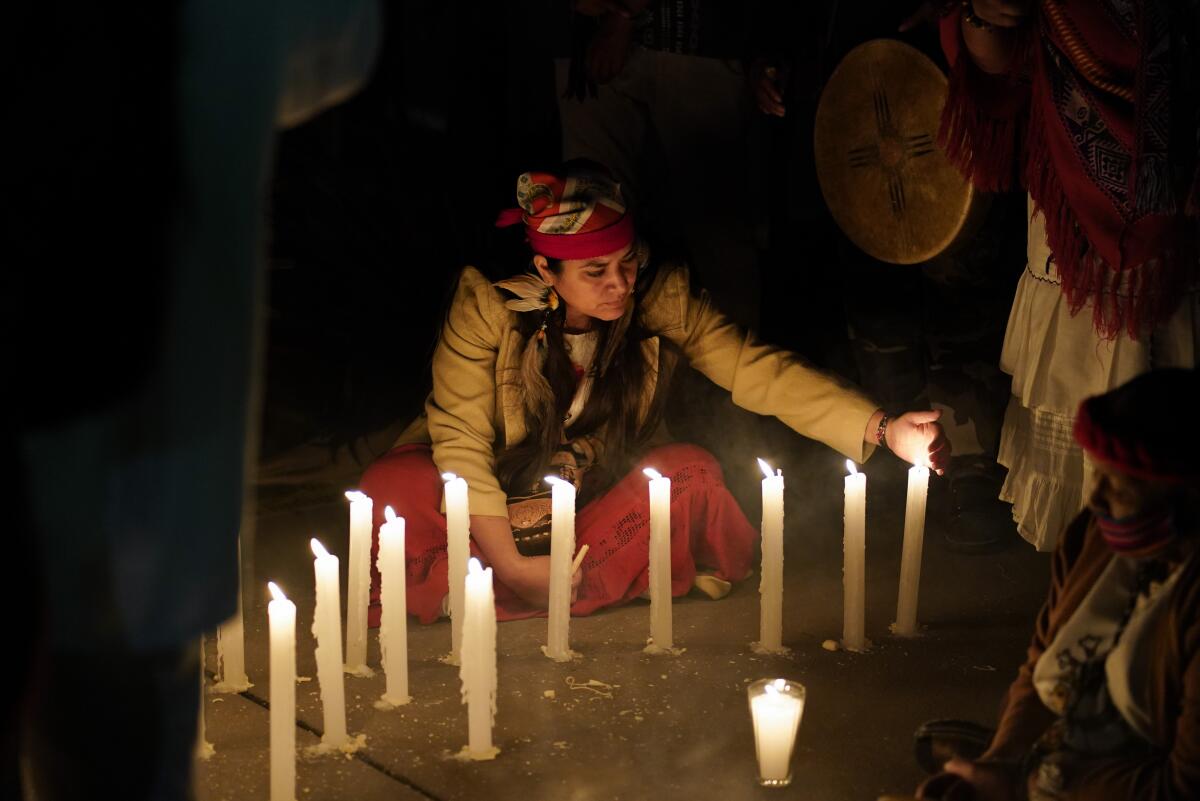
x: 617, y: 724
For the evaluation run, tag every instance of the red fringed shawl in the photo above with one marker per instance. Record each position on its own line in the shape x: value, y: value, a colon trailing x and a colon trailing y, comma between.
x: 1098, y: 121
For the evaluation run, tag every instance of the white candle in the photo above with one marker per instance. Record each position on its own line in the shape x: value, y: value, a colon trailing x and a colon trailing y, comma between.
x: 204, y: 749
x: 358, y: 582
x: 393, y: 626
x: 477, y: 670
x: 231, y: 646
x: 854, y: 546
x: 771, y: 584
x: 281, y: 616
x: 458, y: 551
x: 776, y: 706
x: 562, y: 550
x: 661, y: 638
x: 327, y: 628
x: 231, y: 655
x: 910, y: 558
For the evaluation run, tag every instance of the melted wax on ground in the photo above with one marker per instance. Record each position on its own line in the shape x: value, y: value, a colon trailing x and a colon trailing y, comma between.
x: 349, y: 747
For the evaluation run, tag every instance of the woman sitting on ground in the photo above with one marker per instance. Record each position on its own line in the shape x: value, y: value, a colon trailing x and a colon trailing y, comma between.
x: 563, y: 370
x: 1107, y: 704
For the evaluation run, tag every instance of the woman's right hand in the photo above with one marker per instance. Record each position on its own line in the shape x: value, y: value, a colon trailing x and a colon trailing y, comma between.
x: 529, y: 577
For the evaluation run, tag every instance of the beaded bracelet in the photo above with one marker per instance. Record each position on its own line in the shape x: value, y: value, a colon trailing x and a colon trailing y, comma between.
x: 881, y: 431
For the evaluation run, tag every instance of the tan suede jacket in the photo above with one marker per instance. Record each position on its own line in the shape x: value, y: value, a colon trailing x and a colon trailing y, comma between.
x: 477, y: 404
x: 1172, y: 691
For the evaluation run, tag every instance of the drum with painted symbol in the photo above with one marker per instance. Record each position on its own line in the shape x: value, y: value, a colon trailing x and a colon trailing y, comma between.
x: 886, y: 182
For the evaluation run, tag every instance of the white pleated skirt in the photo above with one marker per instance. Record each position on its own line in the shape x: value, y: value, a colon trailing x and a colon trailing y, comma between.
x: 1056, y: 360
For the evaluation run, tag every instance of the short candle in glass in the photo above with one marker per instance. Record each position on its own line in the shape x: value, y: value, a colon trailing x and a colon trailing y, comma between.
x: 776, y: 706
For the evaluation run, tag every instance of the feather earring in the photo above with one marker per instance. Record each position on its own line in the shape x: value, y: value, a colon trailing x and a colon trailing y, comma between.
x: 532, y: 293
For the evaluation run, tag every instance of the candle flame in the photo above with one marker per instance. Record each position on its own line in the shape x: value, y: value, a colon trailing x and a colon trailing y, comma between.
x: 652, y: 473
x: 318, y: 549
x: 389, y: 514
x: 473, y: 566
x: 776, y: 687
x: 766, y: 468
x: 850, y: 466
x: 553, y: 480
x: 276, y: 593
x: 356, y: 495
x: 448, y: 476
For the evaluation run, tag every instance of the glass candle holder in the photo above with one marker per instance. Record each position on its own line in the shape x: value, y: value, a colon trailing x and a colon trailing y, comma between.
x: 776, y: 706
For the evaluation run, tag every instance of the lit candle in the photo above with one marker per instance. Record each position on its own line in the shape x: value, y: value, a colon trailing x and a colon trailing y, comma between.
x: 327, y: 628
x: 776, y: 706
x: 854, y: 546
x: 661, y: 639
x: 393, y: 626
x: 231, y: 646
x: 477, y: 670
x: 771, y: 584
x: 281, y: 616
x: 458, y: 551
x: 358, y: 583
x: 910, y: 558
x: 562, y: 549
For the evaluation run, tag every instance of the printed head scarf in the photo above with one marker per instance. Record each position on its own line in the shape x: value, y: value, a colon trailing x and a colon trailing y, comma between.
x: 577, y: 215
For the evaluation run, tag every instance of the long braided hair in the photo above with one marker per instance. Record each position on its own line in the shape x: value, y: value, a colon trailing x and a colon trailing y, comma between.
x: 619, y: 374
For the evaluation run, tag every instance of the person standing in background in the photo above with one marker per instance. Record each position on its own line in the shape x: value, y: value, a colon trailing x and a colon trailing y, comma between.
x: 654, y: 90
x: 1093, y: 106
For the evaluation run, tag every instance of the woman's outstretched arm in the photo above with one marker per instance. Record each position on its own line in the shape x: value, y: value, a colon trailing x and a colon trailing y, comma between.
x: 527, y: 576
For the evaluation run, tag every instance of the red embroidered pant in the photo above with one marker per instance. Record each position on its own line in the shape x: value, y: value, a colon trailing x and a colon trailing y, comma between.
x: 708, y: 530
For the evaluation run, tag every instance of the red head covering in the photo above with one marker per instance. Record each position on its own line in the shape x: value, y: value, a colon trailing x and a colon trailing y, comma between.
x: 1146, y: 427
x: 579, y: 216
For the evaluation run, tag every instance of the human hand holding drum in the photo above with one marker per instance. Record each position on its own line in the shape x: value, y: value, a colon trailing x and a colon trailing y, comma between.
x: 768, y: 82
x: 1001, y: 13
x: 609, y: 48
x: 595, y: 8
x: 989, y: 32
